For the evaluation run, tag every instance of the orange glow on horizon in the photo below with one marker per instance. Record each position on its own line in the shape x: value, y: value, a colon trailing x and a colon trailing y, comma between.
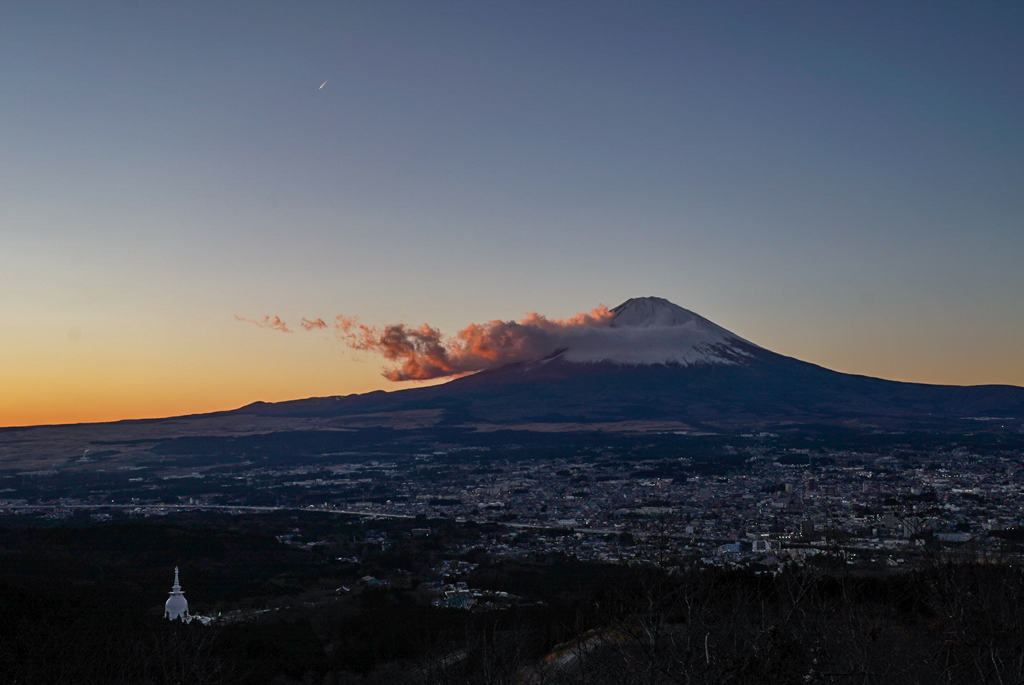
x: 70, y: 405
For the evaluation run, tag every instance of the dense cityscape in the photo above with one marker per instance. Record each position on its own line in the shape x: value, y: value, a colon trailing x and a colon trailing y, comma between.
x: 731, y: 499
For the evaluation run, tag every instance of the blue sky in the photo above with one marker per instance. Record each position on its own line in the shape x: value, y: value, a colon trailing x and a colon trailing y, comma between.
x: 839, y: 182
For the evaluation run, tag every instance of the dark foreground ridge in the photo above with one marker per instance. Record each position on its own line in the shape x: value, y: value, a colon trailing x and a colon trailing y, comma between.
x: 82, y: 605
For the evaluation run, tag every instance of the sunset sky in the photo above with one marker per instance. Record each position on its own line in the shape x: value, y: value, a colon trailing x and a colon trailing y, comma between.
x: 841, y: 182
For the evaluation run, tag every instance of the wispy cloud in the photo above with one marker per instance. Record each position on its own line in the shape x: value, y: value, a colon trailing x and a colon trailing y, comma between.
x: 272, y: 322
x: 315, y: 324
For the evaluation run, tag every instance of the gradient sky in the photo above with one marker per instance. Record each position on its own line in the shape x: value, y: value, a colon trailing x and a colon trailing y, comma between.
x: 839, y: 182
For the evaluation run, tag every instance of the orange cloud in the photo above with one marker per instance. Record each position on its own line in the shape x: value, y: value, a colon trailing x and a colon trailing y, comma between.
x: 274, y: 323
x: 424, y: 353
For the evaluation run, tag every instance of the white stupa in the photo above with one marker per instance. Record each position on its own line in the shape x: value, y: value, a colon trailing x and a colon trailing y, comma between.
x: 176, y: 606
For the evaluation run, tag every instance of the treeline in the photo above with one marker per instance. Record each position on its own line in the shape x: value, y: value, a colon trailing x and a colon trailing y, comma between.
x: 637, y: 625
x: 945, y: 624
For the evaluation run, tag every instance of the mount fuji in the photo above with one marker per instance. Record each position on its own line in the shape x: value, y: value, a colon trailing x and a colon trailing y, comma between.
x: 656, y: 361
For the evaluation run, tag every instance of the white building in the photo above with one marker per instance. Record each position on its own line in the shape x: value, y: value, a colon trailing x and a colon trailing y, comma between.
x: 176, y: 606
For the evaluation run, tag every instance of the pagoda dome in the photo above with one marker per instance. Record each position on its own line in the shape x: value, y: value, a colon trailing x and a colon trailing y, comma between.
x: 176, y: 606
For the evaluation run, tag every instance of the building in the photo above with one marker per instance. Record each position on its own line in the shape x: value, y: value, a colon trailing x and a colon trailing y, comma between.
x: 176, y: 606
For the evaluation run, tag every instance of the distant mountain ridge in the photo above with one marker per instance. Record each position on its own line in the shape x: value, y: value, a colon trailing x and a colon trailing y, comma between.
x: 657, y: 361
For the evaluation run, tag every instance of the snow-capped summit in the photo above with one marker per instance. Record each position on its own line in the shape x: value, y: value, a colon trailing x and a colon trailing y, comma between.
x: 651, y: 311
x: 652, y: 330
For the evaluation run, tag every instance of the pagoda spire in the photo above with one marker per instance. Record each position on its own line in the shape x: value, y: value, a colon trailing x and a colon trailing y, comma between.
x: 176, y: 605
